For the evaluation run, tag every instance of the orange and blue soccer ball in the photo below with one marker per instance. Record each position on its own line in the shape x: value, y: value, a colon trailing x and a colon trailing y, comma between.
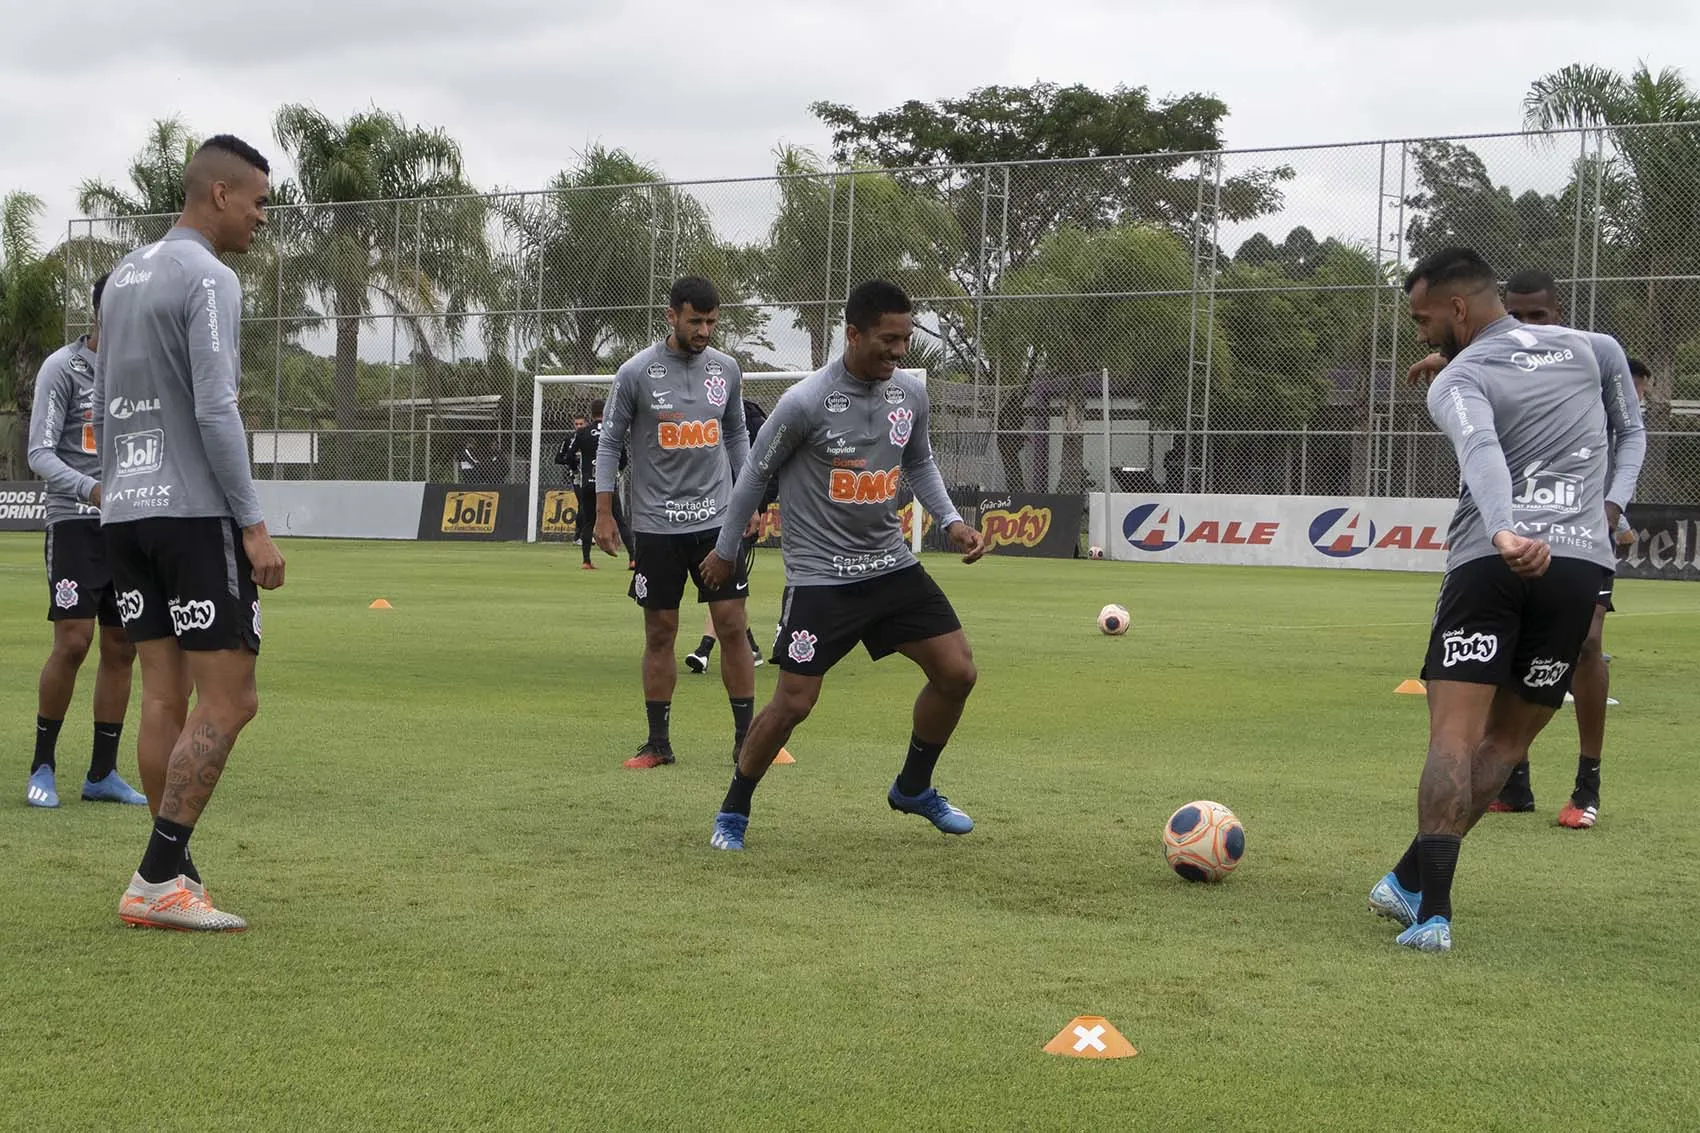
x: 1203, y: 841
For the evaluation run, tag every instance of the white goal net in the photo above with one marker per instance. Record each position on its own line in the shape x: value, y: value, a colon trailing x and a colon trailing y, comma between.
x: 558, y: 399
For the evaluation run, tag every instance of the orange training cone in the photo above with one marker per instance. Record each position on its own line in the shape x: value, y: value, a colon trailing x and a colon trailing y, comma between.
x: 1412, y: 688
x: 1090, y: 1036
x: 784, y: 757
x: 381, y: 604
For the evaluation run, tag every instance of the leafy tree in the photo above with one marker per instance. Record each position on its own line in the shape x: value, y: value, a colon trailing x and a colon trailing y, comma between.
x: 897, y: 232
x: 1459, y: 204
x: 1007, y: 214
x: 32, y: 307
x: 156, y: 178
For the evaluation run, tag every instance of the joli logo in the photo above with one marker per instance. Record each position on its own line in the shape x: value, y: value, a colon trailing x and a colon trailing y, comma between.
x: 470, y: 513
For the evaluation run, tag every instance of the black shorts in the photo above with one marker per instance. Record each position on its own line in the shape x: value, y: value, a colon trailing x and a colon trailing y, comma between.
x: 664, y: 561
x: 1604, y: 596
x: 819, y: 625
x: 185, y: 578
x: 79, y: 581
x: 1523, y: 634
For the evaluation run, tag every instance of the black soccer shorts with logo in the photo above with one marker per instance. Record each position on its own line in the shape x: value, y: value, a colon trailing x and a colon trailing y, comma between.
x: 1494, y: 627
x: 820, y: 625
x: 187, y: 578
x: 665, y: 561
x: 79, y: 580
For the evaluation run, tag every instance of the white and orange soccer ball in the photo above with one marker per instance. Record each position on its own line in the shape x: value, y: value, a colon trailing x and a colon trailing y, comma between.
x: 1113, y: 619
x: 1203, y: 841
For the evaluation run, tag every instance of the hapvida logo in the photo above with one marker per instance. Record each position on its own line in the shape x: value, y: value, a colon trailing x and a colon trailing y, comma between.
x: 1154, y: 527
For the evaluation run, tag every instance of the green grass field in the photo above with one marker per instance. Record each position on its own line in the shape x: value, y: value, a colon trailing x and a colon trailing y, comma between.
x: 467, y: 915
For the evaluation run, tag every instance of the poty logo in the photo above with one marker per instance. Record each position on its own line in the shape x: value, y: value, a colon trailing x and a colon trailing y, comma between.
x: 802, y: 647
x: 187, y: 616
x: 1529, y: 363
x: 1544, y: 673
x: 130, y: 606
x: 123, y: 408
x: 1459, y: 648
x: 129, y: 274
x: 1153, y: 527
x: 1342, y: 533
x: 65, y: 593
x: 902, y: 425
x: 716, y: 390
x: 1548, y: 491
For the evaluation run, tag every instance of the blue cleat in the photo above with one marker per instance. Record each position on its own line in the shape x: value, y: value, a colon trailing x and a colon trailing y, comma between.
x: 933, y: 807
x: 42, y: 791
x: 729, y: 831
x: 112, y: 789
x: 1392, y: 900
x: 1433, y: 935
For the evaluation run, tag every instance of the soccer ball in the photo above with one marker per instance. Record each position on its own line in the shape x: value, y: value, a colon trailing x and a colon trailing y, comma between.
x: 1113, y: 619
x: 1203, y: 841
x: 1094, y: 552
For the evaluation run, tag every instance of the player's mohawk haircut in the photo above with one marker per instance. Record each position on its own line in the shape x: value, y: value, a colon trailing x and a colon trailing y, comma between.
x: 236, y: 147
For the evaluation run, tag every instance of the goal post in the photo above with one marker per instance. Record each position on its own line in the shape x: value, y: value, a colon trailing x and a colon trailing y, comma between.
x: 761, y: 386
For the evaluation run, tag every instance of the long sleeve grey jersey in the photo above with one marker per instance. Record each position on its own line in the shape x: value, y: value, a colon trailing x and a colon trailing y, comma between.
x: 1526, y: 408
x: 62, y: 447
x: 681, y: 418
x: 841, y: 449
x: 171, y: 438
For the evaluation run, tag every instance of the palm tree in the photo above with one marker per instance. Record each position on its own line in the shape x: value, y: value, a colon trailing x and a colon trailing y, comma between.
x: 428, y: 262
x: 156, y: 174
x: 32, y: 308
x: 1654, y: 124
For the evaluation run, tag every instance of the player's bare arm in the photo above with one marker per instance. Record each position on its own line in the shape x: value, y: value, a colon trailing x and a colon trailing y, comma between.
x: 968, y: 540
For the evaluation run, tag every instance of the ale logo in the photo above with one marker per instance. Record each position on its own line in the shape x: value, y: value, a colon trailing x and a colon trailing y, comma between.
x: 470, y: 513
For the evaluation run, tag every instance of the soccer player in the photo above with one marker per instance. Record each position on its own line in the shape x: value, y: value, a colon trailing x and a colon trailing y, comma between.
x: 840, y: 442
x: 1531, y: 297
x: 697, y: 662
x: 1526, y: 408
x: 680, y: 404
x: 184, y: 532
x: 580, y: 456
x: 79, y: 583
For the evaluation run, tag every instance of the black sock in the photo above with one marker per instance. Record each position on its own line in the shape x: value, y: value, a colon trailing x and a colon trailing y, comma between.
x: 743, y: 707
x: 585, y: 547
x: 1588, y: 775
x: 105, y: 759
x: 1439, y: 859
x: 167, y: 849
x: 46, y: 743
x: 189, y: 869
x: 750, y: 635
x: 917, y: 773
x: 1408, y: 873
x: 705, y: 646
x: 1519, y: 778
x: 739, y: 794
x: 659, y: 712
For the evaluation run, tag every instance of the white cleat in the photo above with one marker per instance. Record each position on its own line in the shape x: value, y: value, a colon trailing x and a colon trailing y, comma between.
x: 174, y: 905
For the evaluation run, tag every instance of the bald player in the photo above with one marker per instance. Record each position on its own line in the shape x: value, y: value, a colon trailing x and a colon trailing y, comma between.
x: 184, y: 533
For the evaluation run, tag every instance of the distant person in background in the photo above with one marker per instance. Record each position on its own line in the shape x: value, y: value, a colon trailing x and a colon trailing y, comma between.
x: 579, y: 454
x: 697, y: 662
x: 62, y: 451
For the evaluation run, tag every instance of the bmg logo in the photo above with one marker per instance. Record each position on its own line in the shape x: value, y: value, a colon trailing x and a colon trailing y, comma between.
x: 470, y: 513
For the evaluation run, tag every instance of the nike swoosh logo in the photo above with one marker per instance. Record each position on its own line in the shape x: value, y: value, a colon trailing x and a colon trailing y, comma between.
x: 659, y: 392
x: 838, y: 436
x: 742, y: 586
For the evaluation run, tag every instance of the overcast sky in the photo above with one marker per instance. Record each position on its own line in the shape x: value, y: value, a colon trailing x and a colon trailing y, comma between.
x: 708, y: 88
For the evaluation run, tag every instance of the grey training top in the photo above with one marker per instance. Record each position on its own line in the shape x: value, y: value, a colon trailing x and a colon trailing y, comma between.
x: 62, y: 448
x: 171, y: 439
x: 841, y: 448
x: 682, y: 418
x: 1526, y: 408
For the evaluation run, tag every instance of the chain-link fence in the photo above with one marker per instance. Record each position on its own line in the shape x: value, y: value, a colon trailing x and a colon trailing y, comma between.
x: 1227, y: 322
